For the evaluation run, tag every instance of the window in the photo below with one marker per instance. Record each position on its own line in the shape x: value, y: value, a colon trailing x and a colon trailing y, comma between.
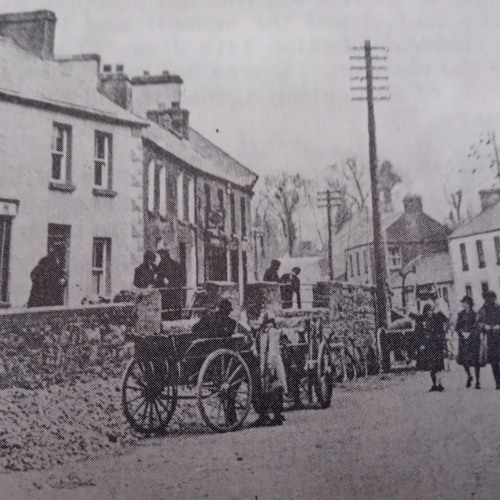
x: 102, y: 160
x: 243, y: 213
x: 61, y: 153
x: 497, y: 249
x: 208, y: 204
x: 180, y: 196
x: 358, y: 267
x: 151, y: 185
x: 484, y: 287
x: 365, y: 258
x: 480, y: 253
x: 395, y: 259
x: 101, y: 266
x: 185, y: 198
x: 463, y: 253
x: 233, y: 213
x: 468, y: 291
x: 351, y: 265
x: 5, y: 231
x: 162, y: 188
x: 446, y: 296
x: 191, y: 201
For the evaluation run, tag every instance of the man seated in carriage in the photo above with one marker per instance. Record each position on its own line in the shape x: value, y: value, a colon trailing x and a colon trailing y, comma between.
x: 216, y: 323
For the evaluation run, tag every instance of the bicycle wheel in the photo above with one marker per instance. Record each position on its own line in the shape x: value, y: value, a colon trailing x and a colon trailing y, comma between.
x: 323, y: 385
x: 149, y: 394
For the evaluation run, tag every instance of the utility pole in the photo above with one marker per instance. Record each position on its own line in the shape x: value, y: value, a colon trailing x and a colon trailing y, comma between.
x: 328, y: 199
x: 378, y: 242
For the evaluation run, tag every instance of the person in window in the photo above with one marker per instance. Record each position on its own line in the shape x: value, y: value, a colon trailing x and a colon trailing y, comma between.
x: 471, y: 349
x: 431, y: 329
x: 145, y: 273
x: 170, y: 279
x: 290, y: 288
x: 216, y: 323
x: 49, y: 281
x: 488, y: 320
x: 271, y: 274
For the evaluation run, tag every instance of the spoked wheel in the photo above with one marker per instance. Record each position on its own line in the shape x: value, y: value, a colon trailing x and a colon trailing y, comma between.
x: 324, y: 382
x: 149, y: 394
x: 362, y: 366
x: 337, y: 366
x: 350, y: 371
x: 224, y: 391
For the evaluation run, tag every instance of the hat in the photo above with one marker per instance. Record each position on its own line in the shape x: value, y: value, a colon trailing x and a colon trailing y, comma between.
x: 467, y: 300
x: 296, y: 270
x: 225, y: 304
x: 427, y: 308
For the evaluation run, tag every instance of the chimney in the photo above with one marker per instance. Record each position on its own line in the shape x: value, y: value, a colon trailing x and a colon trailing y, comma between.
x: 489, y: 197
x: 413, y: 203
x: 116, y: 86
x: 175, y: 119
x: 32, y: 31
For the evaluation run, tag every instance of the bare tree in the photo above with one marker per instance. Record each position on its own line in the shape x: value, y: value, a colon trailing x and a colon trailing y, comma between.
x: 354, y: 176
x: 282, y: 196
x: 454, y: 200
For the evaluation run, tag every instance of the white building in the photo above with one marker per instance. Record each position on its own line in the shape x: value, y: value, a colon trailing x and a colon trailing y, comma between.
x: 71, y: 165
x: 475, y: 250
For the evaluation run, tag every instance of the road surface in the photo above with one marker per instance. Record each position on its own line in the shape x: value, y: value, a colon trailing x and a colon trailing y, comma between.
x: 384, y: 437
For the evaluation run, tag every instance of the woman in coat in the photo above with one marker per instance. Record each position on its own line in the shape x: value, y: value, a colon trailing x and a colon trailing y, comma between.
x: 471, y: 349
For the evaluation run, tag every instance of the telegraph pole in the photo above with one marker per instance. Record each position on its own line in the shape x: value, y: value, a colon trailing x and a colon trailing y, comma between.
x: 378, y: 243
x: 328, y: 199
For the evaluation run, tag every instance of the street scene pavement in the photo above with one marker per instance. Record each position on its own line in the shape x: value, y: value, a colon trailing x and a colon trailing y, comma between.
x: 383, y: 437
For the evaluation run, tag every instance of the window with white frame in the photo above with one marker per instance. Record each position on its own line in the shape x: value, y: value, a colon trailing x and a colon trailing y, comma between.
x: 191, y: 200
x: 101, y: 266
x: 61, y: 153
x: 162, y: 195
x: 180, y: 196
x: 5, y: 232
x: 394, y: 257
x: 102, y: 160
x: 151, y: 185
x: 463, y: 255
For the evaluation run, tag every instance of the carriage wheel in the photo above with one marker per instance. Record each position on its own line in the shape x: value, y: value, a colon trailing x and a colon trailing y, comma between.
x: 337, y: 366
x: 224, y: 390
x: 149, y: 394
x: 350, y: 371
x: 324, y: 382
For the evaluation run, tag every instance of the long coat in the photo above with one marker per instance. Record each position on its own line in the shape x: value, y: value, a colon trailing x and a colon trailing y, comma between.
x: 489, y: 316
x: 432, y: 333
x: 48, y: 283
x: 471, y: 344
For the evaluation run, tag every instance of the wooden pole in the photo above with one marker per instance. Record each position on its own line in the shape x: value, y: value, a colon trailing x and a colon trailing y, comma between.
x: 330, y: 238
x: 379, y: 252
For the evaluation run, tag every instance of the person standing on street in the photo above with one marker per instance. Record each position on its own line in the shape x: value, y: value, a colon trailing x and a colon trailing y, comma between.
x: 169, y: 279
x: 290, y: 288
x: 488, y: 319
x: 471, y: 349
x: 432, y: 328
x: 145, y: 273
x: 271, y: 274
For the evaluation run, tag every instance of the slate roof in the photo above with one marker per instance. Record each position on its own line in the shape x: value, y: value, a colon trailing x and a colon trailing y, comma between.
x: 488, y: 220
x: 225, y: 164
x: 430, y: 268
x: 24, y: 76
x: 185, y: 151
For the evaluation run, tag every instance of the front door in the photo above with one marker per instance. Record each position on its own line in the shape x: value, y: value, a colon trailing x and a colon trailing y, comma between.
x: 58, y: 241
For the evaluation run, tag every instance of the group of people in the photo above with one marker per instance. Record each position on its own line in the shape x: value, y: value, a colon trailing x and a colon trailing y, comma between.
x: 266, y: 365
x: 478, y: 340
x: 290, y: 284
x: 168, y: 276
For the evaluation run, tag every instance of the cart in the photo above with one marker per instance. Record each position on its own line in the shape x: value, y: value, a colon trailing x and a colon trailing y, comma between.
x: 213, y: 371
x: 309, y: 367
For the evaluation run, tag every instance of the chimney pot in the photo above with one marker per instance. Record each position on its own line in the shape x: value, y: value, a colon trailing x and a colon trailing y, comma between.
x: 106, y: 68
x: 489, y: 197
x: 413, y: 203
x: 165, y: 73
x: 145, y: 73
x: 119, y: 68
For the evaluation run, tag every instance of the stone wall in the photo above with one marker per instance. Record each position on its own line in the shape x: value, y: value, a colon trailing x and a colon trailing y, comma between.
x: 59, y: 344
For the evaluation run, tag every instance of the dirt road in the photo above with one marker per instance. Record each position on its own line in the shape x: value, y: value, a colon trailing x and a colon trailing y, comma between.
x: 382, y: 438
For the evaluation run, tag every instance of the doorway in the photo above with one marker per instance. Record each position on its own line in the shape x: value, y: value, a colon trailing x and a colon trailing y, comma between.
x: 58, y: 241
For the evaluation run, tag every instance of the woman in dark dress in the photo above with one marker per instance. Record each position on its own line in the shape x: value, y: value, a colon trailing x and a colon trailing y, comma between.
x: 470, y: 353
x: 432, y: 327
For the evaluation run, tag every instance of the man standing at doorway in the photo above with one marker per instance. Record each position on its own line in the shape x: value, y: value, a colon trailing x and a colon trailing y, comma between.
x: 169, y: 279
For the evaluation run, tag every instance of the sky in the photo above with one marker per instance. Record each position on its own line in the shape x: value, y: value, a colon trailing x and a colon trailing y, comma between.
x: 269, y: 81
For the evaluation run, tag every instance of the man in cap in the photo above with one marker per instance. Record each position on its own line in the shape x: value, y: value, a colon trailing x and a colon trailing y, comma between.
x: 291, y: 287
x: 145, y: 273
x: 488, y: 319
x: 216, y: 323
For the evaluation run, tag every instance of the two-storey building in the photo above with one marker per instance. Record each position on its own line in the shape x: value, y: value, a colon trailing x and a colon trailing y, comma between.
x: 196, y: 196
x: 71, y: 165
x: 475, y: 250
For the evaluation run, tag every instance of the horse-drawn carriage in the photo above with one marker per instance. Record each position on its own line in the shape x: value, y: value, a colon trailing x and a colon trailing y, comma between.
x: 219, y: 373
